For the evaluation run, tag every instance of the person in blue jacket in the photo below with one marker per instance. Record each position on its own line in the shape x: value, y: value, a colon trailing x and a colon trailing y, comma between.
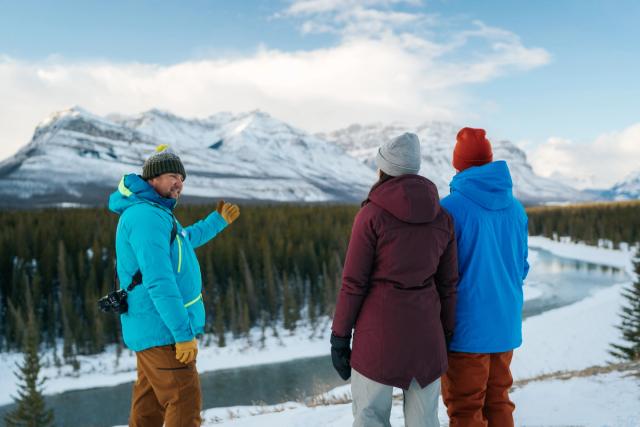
x: 491, y: 233
x: 165, y: 311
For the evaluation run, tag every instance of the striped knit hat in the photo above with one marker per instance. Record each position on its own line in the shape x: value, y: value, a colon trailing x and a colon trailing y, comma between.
x: 162, y: 161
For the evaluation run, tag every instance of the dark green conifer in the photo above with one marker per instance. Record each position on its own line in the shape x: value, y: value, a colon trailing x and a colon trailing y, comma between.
x: 630, y: 323
x: 31, y: 410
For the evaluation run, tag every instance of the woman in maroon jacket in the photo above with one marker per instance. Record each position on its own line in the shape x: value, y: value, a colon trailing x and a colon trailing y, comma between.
x: 398, y: 293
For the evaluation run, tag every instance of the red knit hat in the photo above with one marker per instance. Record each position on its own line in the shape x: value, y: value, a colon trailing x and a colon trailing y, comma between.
x: 472, y: 149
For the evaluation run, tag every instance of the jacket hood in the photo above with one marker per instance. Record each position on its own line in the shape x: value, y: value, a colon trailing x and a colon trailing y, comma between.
x: 133, y: 190
x: 410, y: 198
x: 489, y: 185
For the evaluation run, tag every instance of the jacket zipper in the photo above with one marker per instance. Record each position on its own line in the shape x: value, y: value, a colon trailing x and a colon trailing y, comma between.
x: 179, y: 253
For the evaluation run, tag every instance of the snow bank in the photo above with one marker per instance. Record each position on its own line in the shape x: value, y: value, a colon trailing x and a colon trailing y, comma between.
x: 572, y: 337
x: 620, y: 258
x: 606, y: 400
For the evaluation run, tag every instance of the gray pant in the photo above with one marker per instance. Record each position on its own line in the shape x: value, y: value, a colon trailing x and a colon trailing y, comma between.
x: 372, y: 403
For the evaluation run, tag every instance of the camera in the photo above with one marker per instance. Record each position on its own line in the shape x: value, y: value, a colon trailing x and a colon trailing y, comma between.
x: 115, y: 302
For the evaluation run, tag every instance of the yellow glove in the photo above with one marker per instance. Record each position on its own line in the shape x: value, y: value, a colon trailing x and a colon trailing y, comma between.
x: 187, y: 351
x: 228, y: 211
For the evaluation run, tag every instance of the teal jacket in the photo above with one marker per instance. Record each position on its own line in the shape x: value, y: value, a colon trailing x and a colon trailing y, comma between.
x: 167, y: 307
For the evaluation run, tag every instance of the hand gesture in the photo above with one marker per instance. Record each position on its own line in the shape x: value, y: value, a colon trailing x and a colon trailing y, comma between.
x: 228, y: 211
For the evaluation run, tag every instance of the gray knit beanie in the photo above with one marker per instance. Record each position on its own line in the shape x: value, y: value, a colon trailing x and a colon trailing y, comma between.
x: 400, y: 156
x: 162, y: 161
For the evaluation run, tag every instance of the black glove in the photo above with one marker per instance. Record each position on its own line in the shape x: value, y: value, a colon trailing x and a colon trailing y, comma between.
x: 341, y: 356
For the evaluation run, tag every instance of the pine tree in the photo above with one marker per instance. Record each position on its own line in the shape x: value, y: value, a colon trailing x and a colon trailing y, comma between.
x: 219, y: 322
x: 251, y: 297
x: 15, y: 324
x: 31, y: 410
x: 245, y: 325
x: 288, y: 304
x: 268, y: 278
x: 231, y: 305
x: 65, y: 302
x: 630, y: 325
x: 263, y: 329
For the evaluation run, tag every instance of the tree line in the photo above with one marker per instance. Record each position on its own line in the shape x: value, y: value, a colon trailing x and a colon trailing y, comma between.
x: 614, y: 221
x: 274, y: 265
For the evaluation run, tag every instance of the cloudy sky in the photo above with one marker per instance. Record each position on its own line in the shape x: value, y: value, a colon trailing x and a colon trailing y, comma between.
x: 558, y: 77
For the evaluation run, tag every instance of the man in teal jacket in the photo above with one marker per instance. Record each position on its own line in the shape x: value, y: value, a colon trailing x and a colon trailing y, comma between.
x: 166, y: 312
x: 491, y: 233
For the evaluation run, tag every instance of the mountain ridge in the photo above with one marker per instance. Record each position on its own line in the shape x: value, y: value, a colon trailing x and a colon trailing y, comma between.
x: 248, y: 156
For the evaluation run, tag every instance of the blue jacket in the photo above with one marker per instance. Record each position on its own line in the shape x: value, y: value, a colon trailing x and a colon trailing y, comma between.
x: 491, y: 232
x: 167, y: 307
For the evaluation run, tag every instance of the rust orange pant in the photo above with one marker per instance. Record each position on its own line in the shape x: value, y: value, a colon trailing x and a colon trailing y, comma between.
x: 166, y: 392
x: 475, y: 390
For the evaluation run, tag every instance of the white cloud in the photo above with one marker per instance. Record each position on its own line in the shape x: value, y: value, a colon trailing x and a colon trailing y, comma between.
x: 600, y: 163
x: 308, y: 7
x: 356, y: 18
x: 387, y: 66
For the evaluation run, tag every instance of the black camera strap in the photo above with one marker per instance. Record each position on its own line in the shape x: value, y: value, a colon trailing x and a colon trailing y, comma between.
x: 137, y: 276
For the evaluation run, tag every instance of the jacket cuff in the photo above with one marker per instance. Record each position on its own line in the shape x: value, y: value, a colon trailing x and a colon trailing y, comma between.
x: 184, y: 336
x: 340, y: 342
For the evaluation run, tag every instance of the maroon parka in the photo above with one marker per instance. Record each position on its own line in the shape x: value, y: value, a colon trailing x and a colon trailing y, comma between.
x: 399, y: 284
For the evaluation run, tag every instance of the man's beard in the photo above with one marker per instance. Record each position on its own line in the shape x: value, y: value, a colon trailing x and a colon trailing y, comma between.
x: 170, y: 194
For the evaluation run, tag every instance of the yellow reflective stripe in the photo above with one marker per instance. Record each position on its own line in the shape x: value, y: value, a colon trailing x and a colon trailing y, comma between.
x: 190, y: 303
x: 179, y: 253
x: 123, y: 189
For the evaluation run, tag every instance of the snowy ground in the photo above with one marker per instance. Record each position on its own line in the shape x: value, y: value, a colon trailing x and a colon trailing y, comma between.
x: 610, y: 400
x: 553, y: 341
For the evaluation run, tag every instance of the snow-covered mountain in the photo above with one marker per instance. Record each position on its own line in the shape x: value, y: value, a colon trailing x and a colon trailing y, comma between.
x: 77, y: 157
x: 437, y: 142
x: 627, y: 189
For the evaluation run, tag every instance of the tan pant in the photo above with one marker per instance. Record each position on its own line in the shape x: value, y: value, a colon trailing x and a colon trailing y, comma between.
x: 166, y: 391
x: 475, y: 390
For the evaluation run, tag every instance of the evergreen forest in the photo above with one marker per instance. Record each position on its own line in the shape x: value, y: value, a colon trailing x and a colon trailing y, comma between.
x: 276, y: 265
x: 591, y: 223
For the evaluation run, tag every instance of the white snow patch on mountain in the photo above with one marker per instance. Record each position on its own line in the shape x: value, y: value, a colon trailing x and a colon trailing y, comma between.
x: 437, y: 142
x: 78, y: 157
x: 75, y: 155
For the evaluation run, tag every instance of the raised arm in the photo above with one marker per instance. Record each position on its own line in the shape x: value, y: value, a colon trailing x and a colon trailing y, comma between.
x: 206, y: 229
